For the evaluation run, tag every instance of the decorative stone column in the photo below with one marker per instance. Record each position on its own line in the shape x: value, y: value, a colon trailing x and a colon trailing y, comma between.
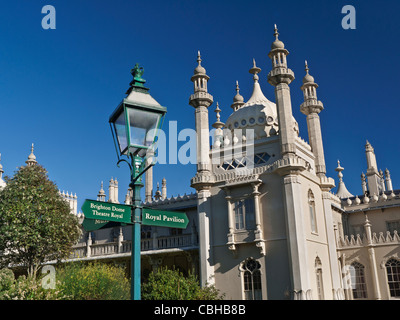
x: 231, y: 222
x: 259, y: 238
x: 372, y: 260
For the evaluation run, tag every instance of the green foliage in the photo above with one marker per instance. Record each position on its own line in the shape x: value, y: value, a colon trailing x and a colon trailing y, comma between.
x: 25, y: 288
x: 167, y: 284
x: 35, y: 221
x: 94, y: 281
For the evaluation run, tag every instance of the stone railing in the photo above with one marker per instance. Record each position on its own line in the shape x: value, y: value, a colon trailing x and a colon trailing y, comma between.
x: 86, y: 250
x: 355, y: 241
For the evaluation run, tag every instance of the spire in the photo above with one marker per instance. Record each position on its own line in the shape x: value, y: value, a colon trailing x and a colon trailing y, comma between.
x: 373, y: 176
x: 31, y: 158
x: 342, y: 191
x: 101, y: 195
x: 238, y: 100
x: 257, y: 94
x: 311, y: 107
x: 307, y: 78
x: 157, y: 195
x: 389, y: 186
x: 277, y: 44
x: 309, y: 88
x: 201, y: 100
x: 164, y: 188
x: 218, y: 125
x: 280, y: 77
x: 200, y: 77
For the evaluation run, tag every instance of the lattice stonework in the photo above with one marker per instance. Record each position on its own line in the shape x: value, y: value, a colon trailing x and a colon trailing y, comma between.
x: 258, y: 159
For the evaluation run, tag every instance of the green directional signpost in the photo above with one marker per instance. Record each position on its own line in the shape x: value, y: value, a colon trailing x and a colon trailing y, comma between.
x: 162, y: 218
x: 100, y: 210
x: 99, y: 214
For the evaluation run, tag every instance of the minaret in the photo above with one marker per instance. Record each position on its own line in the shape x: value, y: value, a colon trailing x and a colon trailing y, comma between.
x: 201, y: 100
x: 111, y: 191
x: 389, y: 186
x: 164, y: 189
x: 373, y: 177
x: 311, y: 107
x: 218, y: 125
x: 116, y: 191
x: 31, y: 158
x: 157, y: 195
x: 101, y: 195
x: 280, y: 77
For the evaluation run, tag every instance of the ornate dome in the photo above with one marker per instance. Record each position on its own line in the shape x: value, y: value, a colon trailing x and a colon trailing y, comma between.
x: 257, y: 113
x: 199, y: 69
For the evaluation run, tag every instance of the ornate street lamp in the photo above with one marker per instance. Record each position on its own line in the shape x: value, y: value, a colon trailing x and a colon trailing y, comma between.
x: 134, y: 125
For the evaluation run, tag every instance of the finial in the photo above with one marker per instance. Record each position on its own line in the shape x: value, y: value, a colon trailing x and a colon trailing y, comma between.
x: 198, y: 57
x: 255, y: 70
x: 339, y: 169
x: 31, y: 158
x: 217, y: 111
x: 342, y: 191
x: 306, y: 67
x: 276, y: 34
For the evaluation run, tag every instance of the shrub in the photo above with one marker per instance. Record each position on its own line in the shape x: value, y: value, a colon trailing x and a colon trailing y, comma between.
x: 170, y: 284
x: 94, y: 281
x: 25, y: 288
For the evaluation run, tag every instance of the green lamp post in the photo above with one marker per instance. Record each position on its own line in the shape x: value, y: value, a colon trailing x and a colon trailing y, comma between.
x: 134, y: 125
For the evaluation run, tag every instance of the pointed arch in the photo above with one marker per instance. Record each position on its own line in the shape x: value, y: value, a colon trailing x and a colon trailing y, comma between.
x: 312, y: 212
x: 318, y: 274
x: 393, y: 276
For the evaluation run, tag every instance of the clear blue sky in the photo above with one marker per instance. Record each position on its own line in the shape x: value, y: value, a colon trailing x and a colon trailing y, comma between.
x: 58, y: 87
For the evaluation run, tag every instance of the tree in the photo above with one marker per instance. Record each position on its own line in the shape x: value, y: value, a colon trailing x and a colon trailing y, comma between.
x: 170, y: 284
x: 35, y: 221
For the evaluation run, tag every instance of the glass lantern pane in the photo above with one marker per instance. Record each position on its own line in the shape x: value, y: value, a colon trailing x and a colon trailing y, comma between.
x: 142, y: 127
x: 120, y: 131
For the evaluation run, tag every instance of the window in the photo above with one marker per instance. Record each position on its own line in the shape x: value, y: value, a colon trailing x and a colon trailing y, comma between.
x: 357, y: 273
x: 318, y: 272
x: 357, y: 229
x: 311, y: 206
x: 391, y: 226
x: 251, y: 279
x: 393, y: 273
x: 244, y: 214
x: 261, y: 158
x: 145, y: 232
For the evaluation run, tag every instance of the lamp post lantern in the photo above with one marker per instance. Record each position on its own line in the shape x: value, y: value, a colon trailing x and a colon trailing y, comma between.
x: 134, y: 125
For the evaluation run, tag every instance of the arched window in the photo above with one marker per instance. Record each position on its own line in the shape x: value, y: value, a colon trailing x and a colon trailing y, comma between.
x: 251, y: 279
x: 357, y: 273
x: 318, y: 273
x: 393, y: 273
x: 311, y: 206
